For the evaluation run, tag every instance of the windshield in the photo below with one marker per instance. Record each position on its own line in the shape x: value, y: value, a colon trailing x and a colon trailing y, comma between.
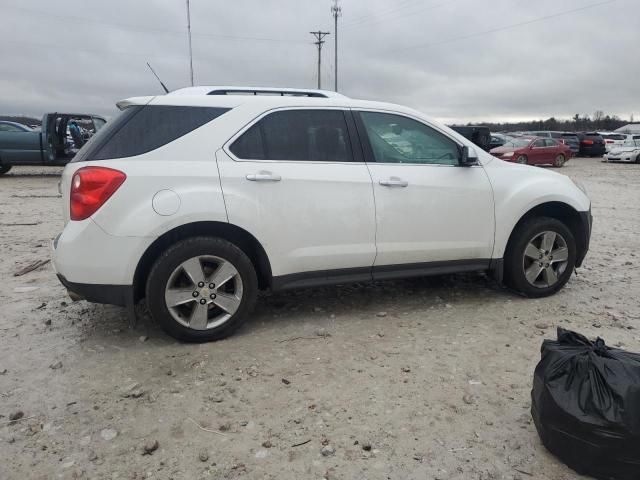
x: 518, y: 142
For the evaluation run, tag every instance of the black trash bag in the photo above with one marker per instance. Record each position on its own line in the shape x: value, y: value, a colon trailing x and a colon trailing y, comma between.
x: 586, y: 406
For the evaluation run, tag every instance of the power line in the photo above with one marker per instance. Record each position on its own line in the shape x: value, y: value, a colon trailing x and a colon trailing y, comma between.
x: 400, y: 14
x: 401, y: 5
x: 505, y: 27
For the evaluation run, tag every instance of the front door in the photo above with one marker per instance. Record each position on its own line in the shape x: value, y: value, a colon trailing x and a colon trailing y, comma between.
x: 291, y: 180
x: 430, y: 212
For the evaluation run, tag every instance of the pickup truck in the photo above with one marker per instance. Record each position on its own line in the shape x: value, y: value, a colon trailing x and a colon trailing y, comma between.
x: 54, y: 144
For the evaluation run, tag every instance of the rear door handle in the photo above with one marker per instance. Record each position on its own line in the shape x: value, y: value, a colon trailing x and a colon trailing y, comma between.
x: 263, y: 177
x: 394, y: 182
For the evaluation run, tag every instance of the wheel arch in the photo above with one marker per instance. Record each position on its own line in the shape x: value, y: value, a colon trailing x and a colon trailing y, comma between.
x: 232, y: 233
x: 567, y: 215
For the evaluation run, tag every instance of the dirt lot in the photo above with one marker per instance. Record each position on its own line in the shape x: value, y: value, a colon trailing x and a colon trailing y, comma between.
x: 420, y: 379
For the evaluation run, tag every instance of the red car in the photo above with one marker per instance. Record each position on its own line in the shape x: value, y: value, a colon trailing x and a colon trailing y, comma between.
x: 533, y: 151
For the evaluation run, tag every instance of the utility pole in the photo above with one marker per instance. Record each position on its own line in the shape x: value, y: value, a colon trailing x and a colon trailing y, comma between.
x: 190, y: 49
x: 336, y: 11
x: 319, y: 42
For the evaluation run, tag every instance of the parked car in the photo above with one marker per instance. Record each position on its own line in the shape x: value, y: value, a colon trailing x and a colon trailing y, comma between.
x: 591, y: 144
x: 629, y: 151
x: 497, y: 140
x: 569, y: 139
x: 478, y: 134
x: 53, y: 144
x: 612, y: 139
x: 197, y: 201
x: 534, y: 151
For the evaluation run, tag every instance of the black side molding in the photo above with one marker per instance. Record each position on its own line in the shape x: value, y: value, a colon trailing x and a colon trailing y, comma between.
x: 121, y: 295
x: 385, y: 272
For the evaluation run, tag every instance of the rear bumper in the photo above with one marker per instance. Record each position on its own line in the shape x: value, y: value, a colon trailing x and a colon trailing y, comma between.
x: 592, y: 150
x: 121, y: 295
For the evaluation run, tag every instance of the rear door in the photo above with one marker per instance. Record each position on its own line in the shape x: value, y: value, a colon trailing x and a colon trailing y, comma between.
x: 292, y: 180
x: 431, y: 213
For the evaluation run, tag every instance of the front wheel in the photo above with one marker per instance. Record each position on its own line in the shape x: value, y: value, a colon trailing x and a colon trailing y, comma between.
x: 4, y: 169
x: 559, y: 161
x: 201, y: 289
x: 540, y: 257
x: 522, y: 159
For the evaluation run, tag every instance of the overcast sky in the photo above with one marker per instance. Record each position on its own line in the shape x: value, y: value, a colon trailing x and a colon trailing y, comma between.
x: 457, y: 60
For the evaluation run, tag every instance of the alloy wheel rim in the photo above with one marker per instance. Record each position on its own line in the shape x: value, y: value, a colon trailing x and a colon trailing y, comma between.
x: 559, y: 160
x: 545, y: 259
x: 203, y: 292
x: 522, y: 159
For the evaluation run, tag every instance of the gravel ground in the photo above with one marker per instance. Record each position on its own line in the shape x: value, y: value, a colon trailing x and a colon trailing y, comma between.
x: 420, y: 379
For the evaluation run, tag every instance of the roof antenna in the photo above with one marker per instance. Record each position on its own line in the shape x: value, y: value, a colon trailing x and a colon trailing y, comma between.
x: 164, y: 87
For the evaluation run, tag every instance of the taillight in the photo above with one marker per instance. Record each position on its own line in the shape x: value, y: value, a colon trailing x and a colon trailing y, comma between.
x: 91, y: 187
x: 587, y: 142
x: 609, y: 141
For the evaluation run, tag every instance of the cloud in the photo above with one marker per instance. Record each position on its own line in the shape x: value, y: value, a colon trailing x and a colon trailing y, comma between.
x: 85, y: 56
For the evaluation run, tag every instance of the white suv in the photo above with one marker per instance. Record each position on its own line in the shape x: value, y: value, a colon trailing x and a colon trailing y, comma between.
x: 198, y: 199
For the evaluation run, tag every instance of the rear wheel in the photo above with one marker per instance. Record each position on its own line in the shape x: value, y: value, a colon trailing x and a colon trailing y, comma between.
x: 540, y: 257
x: 201, y: 289
x: 559, y: 161
x: 522, y: 159
x: 4, y: 169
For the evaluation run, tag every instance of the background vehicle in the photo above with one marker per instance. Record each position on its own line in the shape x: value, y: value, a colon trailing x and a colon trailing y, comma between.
x: 534, y: 151
x: 51, y: 145
x: 568, y: 138
x: 497, y: 140
x: 273, y: 192
x: 629, y: 151
x: 478, y: 134
x: 591, y: 144
x: 612, y: 139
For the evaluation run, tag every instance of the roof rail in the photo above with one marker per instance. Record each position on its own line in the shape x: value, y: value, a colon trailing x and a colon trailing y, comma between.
x: 234, y: 90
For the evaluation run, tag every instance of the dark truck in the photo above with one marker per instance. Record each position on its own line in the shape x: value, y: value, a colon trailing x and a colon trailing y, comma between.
x: 478, y: 134
x: 60, y: 136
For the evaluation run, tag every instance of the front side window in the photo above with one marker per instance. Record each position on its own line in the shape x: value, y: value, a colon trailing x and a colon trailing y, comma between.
x: 398, y: 139
x: 297, y: 135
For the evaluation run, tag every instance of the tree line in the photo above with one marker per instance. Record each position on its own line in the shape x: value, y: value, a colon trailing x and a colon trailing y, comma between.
x: 599, y: 121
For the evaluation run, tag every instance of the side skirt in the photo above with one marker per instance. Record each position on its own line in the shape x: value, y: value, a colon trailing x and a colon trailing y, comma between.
x: 384, y: 272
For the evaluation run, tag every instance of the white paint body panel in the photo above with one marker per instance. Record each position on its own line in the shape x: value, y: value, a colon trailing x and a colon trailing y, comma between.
x: 320, y: 216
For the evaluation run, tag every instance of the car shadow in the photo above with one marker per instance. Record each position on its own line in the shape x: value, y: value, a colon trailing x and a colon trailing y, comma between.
x: 109, y: 324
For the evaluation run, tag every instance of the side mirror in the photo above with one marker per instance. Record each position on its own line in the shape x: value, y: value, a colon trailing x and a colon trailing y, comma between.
x: 468, y: 157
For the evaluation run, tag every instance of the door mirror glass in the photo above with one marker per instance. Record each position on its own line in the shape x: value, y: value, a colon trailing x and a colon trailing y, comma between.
x: 468, y: 156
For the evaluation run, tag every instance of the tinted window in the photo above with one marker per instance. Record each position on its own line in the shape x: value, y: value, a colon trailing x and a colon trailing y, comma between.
x: 141, y: 129
x: 303, y: 135
x: 398, y: 139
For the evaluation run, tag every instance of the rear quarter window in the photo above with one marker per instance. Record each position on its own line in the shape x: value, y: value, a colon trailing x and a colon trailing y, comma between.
x: 141, y: 129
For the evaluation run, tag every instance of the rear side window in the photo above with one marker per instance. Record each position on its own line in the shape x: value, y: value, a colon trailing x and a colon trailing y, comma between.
x: 141, y: 129
x: 550, y: 142
x: 297, y: 135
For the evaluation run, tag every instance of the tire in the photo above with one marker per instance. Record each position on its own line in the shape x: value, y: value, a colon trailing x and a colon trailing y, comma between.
x: 559, y: 161
x: 4, y: 169
x: 522, y: 159
x: 528, y: 238
x: 638, y: 158
x: 188, y: 319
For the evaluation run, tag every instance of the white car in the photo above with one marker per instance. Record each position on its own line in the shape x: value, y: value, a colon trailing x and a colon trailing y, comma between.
x: 612, y: 139
x: 197, y: 200
x: 629, y: 151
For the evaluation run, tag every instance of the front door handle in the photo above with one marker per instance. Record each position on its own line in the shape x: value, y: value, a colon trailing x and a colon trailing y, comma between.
x: 394, y: 182
x: 263, y: 177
